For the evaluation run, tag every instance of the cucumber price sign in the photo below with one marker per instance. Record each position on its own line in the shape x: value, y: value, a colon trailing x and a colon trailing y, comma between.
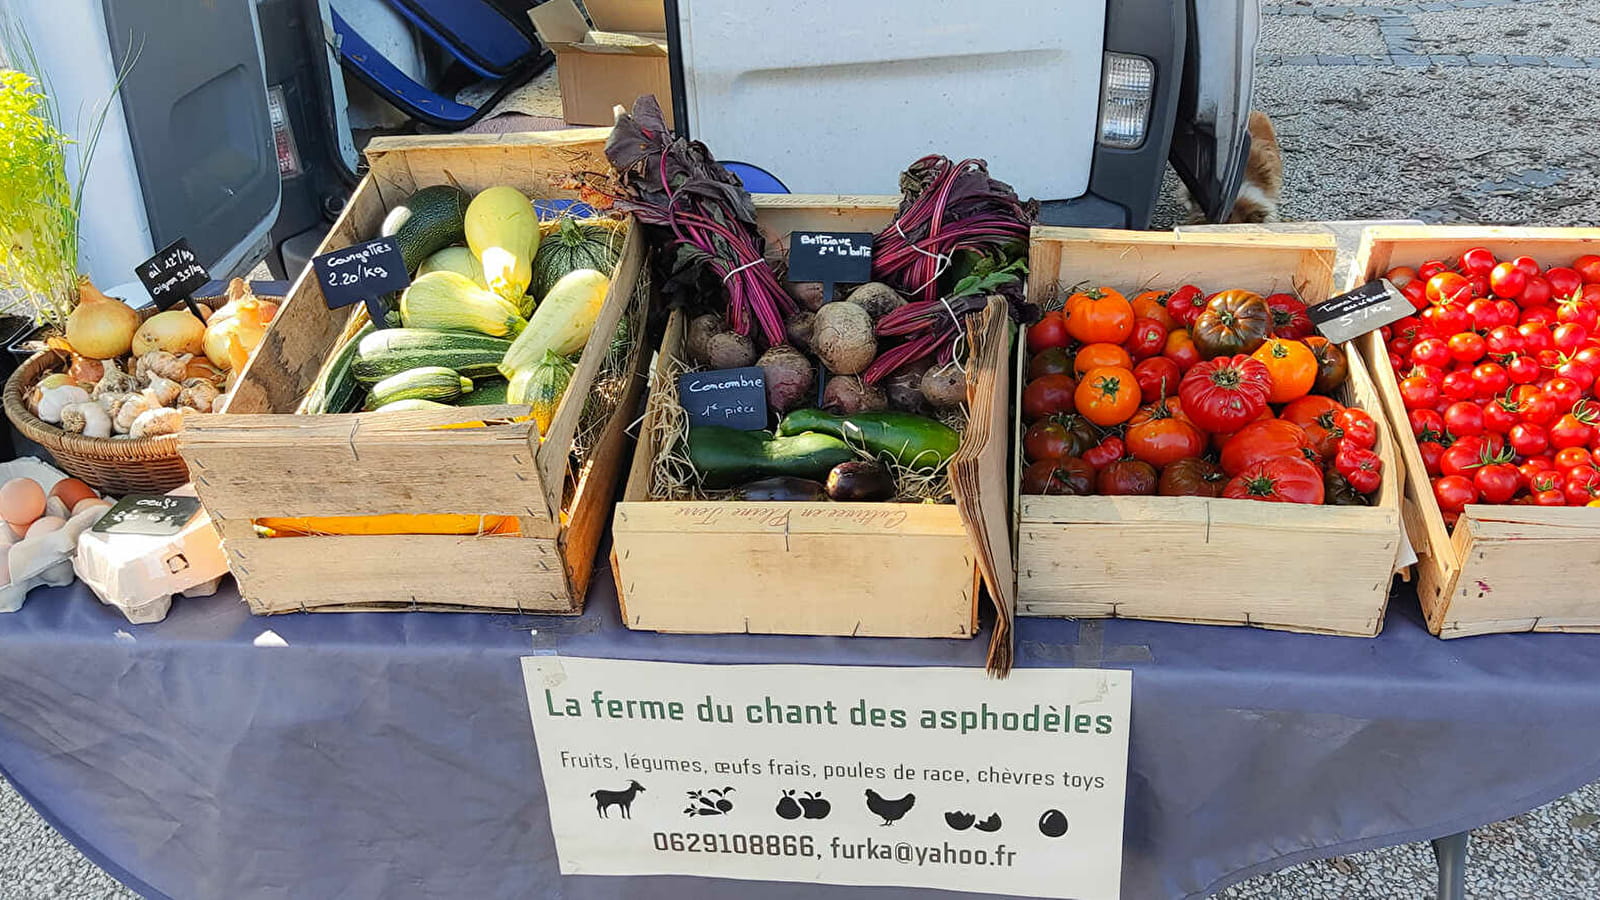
x: 915, y: 777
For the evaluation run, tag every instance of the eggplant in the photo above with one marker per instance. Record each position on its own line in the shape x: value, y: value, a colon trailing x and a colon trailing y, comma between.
x: 783, y: 489
x: 860, y: 480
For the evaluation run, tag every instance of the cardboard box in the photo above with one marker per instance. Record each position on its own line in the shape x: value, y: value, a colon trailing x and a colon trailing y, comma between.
x: 621, y: 58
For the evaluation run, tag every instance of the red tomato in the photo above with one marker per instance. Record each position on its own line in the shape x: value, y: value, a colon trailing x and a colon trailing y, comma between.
x: 1522, y: 393
x: 1263, y: 440
x: 1572, y: 457
x: 1528, y: 439
x: 1527, y: 265
x: 1164, y: 439
x: 1449, y: 318
x: 1448, y: 287
x: 1147, y: 339
x: 1360, y: 466
x: 1580, y: 312
x: 1572, y: 368
x: 1497, y: 482
x: 1048, y: 396
x: 1453, y: 493
x: 1359, y: 427
x: 1431, y: 352
x: 1224, y: 394
x: 1477, y: 261
x: 1049, y: 331
x: 1458, y: 385
x: 1289, y: 319
x: 1588, y: 266
x: 1417, y: 392
x: 1479, y: 285
x: 1523, y: 369
x: 1109, y: 450
x: 1541, y: 409
x: 1535, y: 336
x: 1564, y: 391
x: 1467, y: 347
x: 1425, y: 423
x: 1550, y: 498
x: 1574, y: 429
x: 1535, y: 293
x: 1431, y: 268
x: 1485, y: 315
x: 1186, y: 304
x: 1127, y: 477
x: 1400, y: 276
x: 1503, y: 340
x: 1281, y: 479
x: 1589, y: 355
x: 1432, y: 454
x: 1591, y: 292
x: 1500, y: 414
x: 1510, y: 312
x: 1158, y: 377
x: 1491, y: 379
x: 1569, y: 336
x: 1464, y: 418
x: 1417, y: 293
x: 1180, y: 348
x: 1582, y: 485
x: 1506, y: 280
x: 1565, y: 282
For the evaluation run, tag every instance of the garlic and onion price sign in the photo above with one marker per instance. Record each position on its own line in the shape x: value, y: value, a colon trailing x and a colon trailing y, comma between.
x: 173, y: 275
x: 916, y: 777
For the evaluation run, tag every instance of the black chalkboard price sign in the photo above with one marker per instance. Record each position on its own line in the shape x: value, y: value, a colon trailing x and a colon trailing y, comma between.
x: 362, y: 273
x: 831, y: 257
x: 1367, y: 308
x: 173, y: 275
x: 732, y: 398
x: 158, y: 514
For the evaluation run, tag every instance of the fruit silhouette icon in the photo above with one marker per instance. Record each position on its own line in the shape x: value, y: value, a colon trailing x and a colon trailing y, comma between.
x: 814, y: 806
x: 789, y: 807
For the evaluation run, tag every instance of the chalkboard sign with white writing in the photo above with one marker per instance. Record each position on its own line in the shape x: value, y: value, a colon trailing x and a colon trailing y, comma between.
x: 1367, y: 308
x: 831, y: 257
x: 158, y: 514
x: 361, y: 272
x: 732, y: 398
x: 172, y: 275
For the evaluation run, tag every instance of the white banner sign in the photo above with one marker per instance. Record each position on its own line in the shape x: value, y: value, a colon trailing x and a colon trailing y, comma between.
x: 924, y: 777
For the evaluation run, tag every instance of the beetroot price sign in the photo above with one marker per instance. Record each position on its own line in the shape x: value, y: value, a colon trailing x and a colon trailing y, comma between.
x: 916, y: 777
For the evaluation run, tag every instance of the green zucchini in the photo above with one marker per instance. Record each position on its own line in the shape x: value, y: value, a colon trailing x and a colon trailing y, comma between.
x: 726, y: 457
x: 423, y: 383
x: 336, y: 386
x: 913, y: 441
x: 426, y: 222
x: 488, y: 392
x: 395, y: 350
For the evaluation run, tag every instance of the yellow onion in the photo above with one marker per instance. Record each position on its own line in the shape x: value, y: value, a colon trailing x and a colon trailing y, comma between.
x: 247, y: 326
x: 100, y: 327
x: 175, y: 331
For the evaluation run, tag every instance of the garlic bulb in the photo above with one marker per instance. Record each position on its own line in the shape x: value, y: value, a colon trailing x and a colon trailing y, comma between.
x: 88, y: 419
x: 160, y: 362
x: 53, y: 400
x: 163, y: 390
x: 115, y: 381
x: 154, y: 422
x: 131, y: 409
x: 199, y: 394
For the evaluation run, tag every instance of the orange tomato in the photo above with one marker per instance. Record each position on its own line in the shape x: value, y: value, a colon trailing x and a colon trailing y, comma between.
x: 1291, y: 364
x: 1153, y: 305
x: 1099, y: 356
x: 1108, y: 395
x: 1099, y: 316
x: 1180, y: 349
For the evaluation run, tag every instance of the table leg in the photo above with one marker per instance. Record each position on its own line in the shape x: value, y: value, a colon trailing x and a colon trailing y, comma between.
x: 1451, y: 854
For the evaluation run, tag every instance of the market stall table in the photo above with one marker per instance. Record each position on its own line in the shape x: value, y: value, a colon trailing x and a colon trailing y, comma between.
x: 390, y: 755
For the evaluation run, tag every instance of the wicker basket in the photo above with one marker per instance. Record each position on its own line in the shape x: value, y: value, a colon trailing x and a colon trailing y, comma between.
x: 146, y: 465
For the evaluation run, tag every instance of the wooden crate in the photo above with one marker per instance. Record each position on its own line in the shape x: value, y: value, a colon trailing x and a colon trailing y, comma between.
x: 868, y: 569
x: 258, y: 460
x: 1321, y: 569
x: 1502, y: 568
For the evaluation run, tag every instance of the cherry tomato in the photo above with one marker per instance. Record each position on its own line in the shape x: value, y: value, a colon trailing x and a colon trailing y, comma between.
x: 1527, y: 265
x: 1453, y: 493
x: 1417, y: 392
x: 1458, y: 385
x: 1448, y: 287
x: 1431, y: 268
x: 1503, y: 340
x: 1431, y: 352
x: 1432, y: 455
x: 1528, y: 439
x: 1158, y: 377
x: 1361, y: 467
x: 1541, y: 409
x: 1550, y: 498
x: 1109, y: 450
x: 1564, y: 391
x: 1588, y: 266
x: 1564, y: 281
x: 1449, y: 318
x: 1359, y: 428
x: 1571, y: 457
x: 1523, y: 370
x: 1578, y: 311
x: 1506, y: 280
x: 1500, y: 414
x: 1589, y: 355
x: 1400, y: 276
x: 1477, y: 261
x: 1467, y: 347
x: 1491, y: 379
x: 1573, y: 430
x: 1535, y: 293
x: 1049, y: 331
x: 1425, y: 422
x: 1485, y: 315
x: 1577, y: 371
x: 1569, y: 336
x: 1464, y: 418
x: 1147, y: 339
x: 1497, y: 482
x: 1536, y: 337
x: 1479, y: 284
x: 1582, y: 485
x: 1417, y: 293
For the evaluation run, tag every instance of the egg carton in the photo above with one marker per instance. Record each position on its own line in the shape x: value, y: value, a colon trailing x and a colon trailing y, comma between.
x: 138, y: 574
x: 44, y: 559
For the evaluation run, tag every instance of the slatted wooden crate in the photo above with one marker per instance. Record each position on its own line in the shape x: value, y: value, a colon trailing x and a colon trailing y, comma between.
x: 869, y: 569
x: 259, y: 460
x: 1501, y: 568
x: 1322, y: 569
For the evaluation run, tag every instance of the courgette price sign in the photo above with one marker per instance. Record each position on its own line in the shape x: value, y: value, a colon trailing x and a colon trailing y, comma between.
x: 916, y: 777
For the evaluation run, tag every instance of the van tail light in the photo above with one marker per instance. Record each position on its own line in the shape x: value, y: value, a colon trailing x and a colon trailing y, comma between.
x: 282, y: 134
x: 1126, y: 89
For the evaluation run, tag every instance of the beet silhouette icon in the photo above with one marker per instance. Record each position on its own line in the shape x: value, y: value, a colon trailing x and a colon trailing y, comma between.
x: 788, y: 807
x: 1053, y: 823
x: 991, y: 824
x: 958, y: 820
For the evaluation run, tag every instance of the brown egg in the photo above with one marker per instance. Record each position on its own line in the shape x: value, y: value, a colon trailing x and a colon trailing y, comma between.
x: 21, y: 502
x: 45, y: 525
x: 71, y: 490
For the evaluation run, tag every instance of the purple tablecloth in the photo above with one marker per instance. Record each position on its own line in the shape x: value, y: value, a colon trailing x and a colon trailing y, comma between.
x: 391, y: 756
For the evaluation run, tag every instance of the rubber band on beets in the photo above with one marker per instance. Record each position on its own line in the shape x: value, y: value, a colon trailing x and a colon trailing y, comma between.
x: 941, y: 260
x: 754, y: 262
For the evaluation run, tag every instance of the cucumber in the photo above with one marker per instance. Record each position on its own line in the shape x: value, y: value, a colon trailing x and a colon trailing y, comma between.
x: 726, y: 457
x: 912, y: 440
x: 335, y: 386
x: 426, y: 222
x: 424, y: 383
x: 489, y: 392
x: 396, y: 350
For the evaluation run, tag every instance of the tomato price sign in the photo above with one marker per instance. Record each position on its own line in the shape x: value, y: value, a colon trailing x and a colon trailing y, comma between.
x: 1367, y: 308
x: 915, y: 777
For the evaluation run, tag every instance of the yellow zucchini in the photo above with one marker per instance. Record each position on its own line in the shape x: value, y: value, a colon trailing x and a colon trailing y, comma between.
x: 562, y: 322
x: 503, y: 232
x: 449, y: 301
